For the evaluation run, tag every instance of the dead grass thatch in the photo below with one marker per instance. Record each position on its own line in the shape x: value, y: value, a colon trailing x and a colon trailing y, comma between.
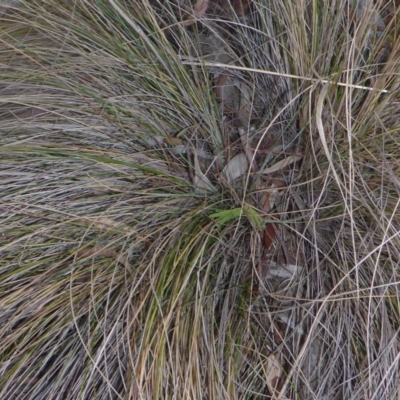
x: 199, y: 200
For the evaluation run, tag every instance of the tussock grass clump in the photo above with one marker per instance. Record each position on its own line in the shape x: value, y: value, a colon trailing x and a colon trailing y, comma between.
x: 199, y: 200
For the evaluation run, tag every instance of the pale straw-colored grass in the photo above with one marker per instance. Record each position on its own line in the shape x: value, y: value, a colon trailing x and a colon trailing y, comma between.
x: 130, y: 269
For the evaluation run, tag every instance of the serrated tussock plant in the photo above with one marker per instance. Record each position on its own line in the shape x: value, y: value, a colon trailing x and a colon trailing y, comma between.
x: 199, y: 200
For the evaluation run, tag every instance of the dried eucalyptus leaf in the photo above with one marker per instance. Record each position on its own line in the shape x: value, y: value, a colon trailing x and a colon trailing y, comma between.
x: 236, y: 167
x: 289, y: 271
x: 203, y: 183
x: 282, y: 164
x: 155, y: 140
x: 200, y: 180
x: 179, y: 149
x: 273, y: 371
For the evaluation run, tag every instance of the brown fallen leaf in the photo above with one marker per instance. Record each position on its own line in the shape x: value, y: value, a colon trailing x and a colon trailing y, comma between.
x: 199, y: 10
x: 288, y: 271
x: 270, y: 191
x: 273, y: 373
x: 103, y: 252
x: 236, y: 167
x: 235, y: 97
x: 268, y: 237
x: 108, y: 223
x: 241, y: 7
x: 248, y: 151
x: 282, y: 164
x: 200, y: 180
x: 155, y: 140
x: 245, y: 104
x: 173, y: 141
x: 219, y: 84
x: 267, y: 201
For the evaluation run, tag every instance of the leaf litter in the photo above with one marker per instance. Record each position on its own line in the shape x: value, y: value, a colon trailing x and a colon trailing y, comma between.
x: 237, y: 101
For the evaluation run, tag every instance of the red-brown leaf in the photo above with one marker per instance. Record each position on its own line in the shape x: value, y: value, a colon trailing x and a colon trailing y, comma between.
x: 200, y: 8
x: 269, y: 236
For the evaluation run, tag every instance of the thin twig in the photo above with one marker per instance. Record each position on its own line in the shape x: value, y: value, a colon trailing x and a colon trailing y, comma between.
x: 191, y: 61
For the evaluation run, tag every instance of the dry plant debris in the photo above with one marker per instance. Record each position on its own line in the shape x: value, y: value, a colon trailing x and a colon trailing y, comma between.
x: 199, y: 199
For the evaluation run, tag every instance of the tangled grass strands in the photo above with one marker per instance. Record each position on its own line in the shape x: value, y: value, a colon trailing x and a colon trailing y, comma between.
x: 133, y: 266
